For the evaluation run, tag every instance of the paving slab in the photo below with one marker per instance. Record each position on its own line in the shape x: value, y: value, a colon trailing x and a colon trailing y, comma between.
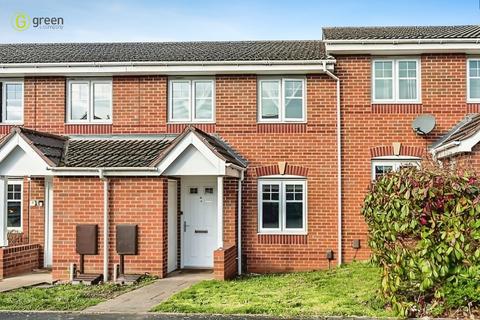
x: 25, y: 280
x: 145, y: 298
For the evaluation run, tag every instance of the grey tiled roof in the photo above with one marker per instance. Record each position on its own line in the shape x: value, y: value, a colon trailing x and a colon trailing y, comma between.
x: 463, y: 130
x: 402, y: 32
x: 100, y: 153
x: 131, y: 152
x: 49, y: 146
x: 162, y: 51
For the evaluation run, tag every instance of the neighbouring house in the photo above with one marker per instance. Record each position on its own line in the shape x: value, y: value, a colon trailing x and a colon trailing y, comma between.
x: 225, y: 155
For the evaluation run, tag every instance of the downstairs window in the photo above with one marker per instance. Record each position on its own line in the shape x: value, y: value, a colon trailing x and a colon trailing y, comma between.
x: 282, y: 206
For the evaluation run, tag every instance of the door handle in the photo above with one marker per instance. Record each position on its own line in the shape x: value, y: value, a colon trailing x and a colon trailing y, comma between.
x: 185, y: 225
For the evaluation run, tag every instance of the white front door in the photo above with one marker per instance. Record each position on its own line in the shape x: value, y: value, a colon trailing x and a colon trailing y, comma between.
x: 48, y: 203
x: 172, y: 226
x: 199, y: 221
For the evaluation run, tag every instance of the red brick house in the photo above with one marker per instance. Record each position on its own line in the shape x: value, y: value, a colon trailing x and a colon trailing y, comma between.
x: 224, y: 154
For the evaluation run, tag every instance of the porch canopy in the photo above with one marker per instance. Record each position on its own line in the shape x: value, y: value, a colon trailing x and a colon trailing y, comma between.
x: 462, y: 138
x: 26, y: 152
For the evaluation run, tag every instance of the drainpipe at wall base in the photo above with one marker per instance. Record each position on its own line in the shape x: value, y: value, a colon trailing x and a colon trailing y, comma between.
x: 105, y: 224
x: 339, y: 167
x: 239, y: 221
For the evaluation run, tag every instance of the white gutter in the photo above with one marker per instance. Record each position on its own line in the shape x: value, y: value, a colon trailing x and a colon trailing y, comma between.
x: 102, y: 168
x: 239, y: 223
x: 165, y: 63
x: 164, y: 68
x: 105, y: 225
x: 395, y: 41
x: 339, y: 169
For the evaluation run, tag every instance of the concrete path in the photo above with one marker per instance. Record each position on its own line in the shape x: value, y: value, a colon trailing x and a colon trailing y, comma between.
x: 145, y: 298
x: 25, y: 280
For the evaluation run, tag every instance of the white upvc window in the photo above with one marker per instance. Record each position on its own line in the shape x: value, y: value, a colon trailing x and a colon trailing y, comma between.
x: 12, y: 102
x: 14, y: 205
x: 281, y: 100
x: 382, y: 166
x: 282, y: 206
x: 191, y: 100
x: 89, y: 101
x: 473, y: 80
x: 396, y: 80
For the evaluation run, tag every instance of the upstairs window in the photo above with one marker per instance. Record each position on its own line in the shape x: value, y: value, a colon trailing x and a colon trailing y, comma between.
x: 191, y: 100
x: 396, y: 81
x: 14, y: 205
x: 281, y: 100
x: 473, y: 81
x: 282, y: 206
x: 12, y: 102
x: 89, y: 101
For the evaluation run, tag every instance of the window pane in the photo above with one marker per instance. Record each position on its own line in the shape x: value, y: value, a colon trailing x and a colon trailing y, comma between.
x: 180, y: 100
x: 407, y: 89
x: 180, y: 89
x: 294, y: 108
x: 383, y: 89
x: 14, y: 214
x: 407, y: 69
x: 203, y: 89
x: 293, y: 88
x: 474, y: 67
x: 475, y: 88
x: 13, y: 102
x: 102, y: 101
x: 270, y: 95
x: 203, y: 108
x: 270, y: 215
x: 294, y: 215
x: 79, y: 101
x: 180, y: 109
x: 383, y: 69
x: 380, y: 170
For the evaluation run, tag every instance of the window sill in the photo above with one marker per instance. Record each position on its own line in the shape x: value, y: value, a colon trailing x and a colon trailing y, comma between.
x: 88, y: 123
x: 11, y: 123
x: 282, y: 233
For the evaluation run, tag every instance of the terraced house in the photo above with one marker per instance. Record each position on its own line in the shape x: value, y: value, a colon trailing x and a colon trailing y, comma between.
x: 249, y: 156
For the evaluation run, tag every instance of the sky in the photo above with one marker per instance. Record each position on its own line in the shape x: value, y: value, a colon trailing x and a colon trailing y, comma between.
x: 189, y: 20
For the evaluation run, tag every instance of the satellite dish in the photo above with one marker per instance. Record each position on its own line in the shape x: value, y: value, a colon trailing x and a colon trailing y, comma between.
x: 423, y: 124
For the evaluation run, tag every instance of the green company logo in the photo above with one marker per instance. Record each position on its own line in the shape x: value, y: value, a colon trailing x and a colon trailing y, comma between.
x: 20, y: 21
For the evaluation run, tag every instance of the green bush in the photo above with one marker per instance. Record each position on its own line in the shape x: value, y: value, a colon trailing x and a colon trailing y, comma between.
x: 424, y: 231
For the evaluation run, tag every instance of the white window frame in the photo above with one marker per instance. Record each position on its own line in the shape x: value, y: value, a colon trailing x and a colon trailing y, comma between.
x: 281, y: 112
x: 396, y: 81
x: 15, y: 182
x: 282, y: 205
x: 192, y: 100
x: 4, y: 101
x: 396, y: 163
x: 90, y: 111
x: 471, y: 100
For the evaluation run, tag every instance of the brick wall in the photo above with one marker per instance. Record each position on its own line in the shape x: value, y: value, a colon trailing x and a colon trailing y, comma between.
x: 19, y: 259
x: 142, y: 201
x: 225, y: 262
x: 366, y: 126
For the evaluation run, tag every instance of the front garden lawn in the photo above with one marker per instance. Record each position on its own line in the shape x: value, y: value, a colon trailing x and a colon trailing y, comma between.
x: 350, y: 290
x: 64, y: 297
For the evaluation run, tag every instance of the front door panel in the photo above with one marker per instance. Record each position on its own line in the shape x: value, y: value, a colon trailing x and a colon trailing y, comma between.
x: 200, y: 222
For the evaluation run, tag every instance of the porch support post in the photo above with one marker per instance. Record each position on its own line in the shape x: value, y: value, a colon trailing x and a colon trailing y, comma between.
x: 220, y: 212
x: 3, y: 211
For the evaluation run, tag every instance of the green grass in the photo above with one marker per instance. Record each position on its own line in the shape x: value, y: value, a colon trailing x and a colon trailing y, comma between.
x: 64, y: 297
x: 351, y: 290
